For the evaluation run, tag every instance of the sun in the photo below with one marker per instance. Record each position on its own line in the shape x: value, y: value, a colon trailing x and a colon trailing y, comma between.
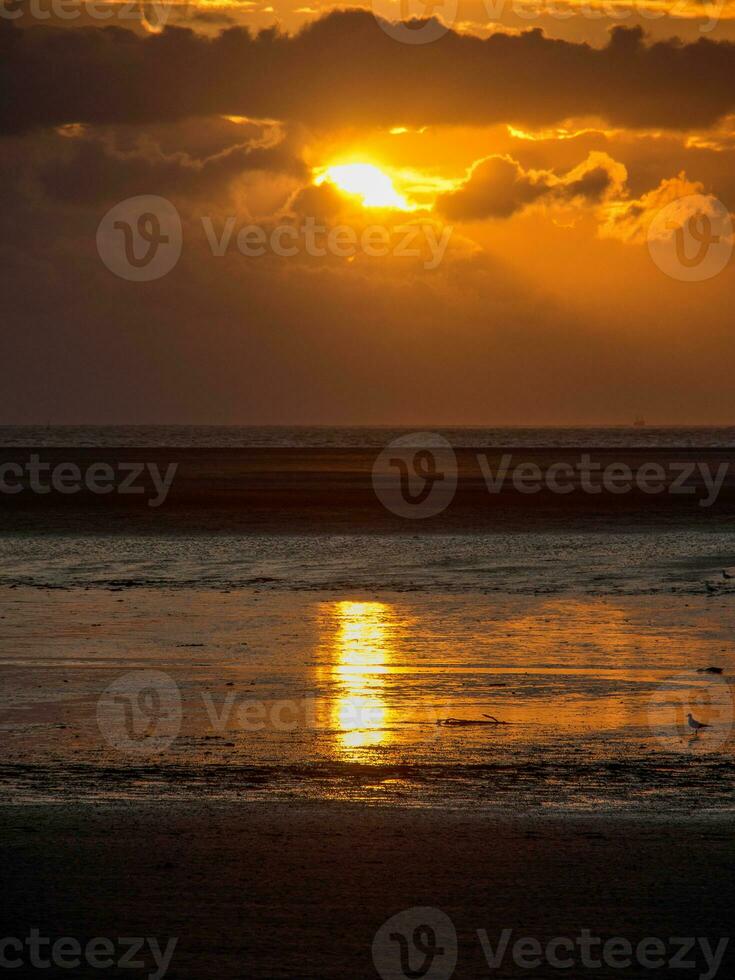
x: 366, y: 181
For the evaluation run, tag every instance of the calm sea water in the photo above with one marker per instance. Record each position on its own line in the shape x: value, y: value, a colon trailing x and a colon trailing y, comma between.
x: 348, y: 436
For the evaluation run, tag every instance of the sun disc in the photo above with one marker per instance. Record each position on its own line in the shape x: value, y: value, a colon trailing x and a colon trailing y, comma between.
x: 366, y: 181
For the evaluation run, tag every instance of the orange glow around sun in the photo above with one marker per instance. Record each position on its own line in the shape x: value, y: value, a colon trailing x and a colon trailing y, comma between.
x: 366, y: 181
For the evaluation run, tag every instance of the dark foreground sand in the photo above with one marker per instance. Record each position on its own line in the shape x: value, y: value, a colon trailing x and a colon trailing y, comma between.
x: 279, y: 891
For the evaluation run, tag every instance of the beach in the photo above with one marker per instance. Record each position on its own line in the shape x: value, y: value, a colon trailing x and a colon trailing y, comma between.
x: 266, y: 731
x: 284, y: 891
x: 270, y: 692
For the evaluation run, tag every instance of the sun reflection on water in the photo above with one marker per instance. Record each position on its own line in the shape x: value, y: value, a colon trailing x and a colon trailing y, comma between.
x: 359, y: 644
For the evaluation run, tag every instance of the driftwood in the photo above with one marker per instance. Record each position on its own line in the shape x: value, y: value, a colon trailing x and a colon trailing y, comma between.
x: 459, y: 722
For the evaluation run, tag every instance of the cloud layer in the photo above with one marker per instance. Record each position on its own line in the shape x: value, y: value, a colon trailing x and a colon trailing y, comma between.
x: 327, y: 75
x: 498, y: 186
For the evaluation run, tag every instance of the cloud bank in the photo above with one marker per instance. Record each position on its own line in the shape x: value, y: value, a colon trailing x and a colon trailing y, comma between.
x: 328, y: 75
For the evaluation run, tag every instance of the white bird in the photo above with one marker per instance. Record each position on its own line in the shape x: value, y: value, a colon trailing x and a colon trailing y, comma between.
x: 696, y: 725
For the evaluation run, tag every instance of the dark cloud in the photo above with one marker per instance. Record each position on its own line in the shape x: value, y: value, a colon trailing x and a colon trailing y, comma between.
x: 498, y: 186
x: 321, y: 202
x: 208, y: 17
x: 93, y: 169
x: 345, y: 70
x: 591, y: 186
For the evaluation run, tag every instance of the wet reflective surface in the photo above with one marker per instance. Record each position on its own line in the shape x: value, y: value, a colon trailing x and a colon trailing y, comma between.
x: 562, y: 702
x: 358, y: 646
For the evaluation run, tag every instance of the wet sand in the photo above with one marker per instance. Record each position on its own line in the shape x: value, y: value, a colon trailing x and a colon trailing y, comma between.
x: 310, y: 695
x: 298, y: 891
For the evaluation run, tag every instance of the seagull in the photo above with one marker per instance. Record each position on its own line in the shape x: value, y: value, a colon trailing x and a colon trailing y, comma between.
x: 726, y: 574
x: 696, y: 725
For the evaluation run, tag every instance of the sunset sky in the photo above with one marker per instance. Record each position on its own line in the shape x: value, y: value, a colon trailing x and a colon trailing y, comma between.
x: 536, y: 142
